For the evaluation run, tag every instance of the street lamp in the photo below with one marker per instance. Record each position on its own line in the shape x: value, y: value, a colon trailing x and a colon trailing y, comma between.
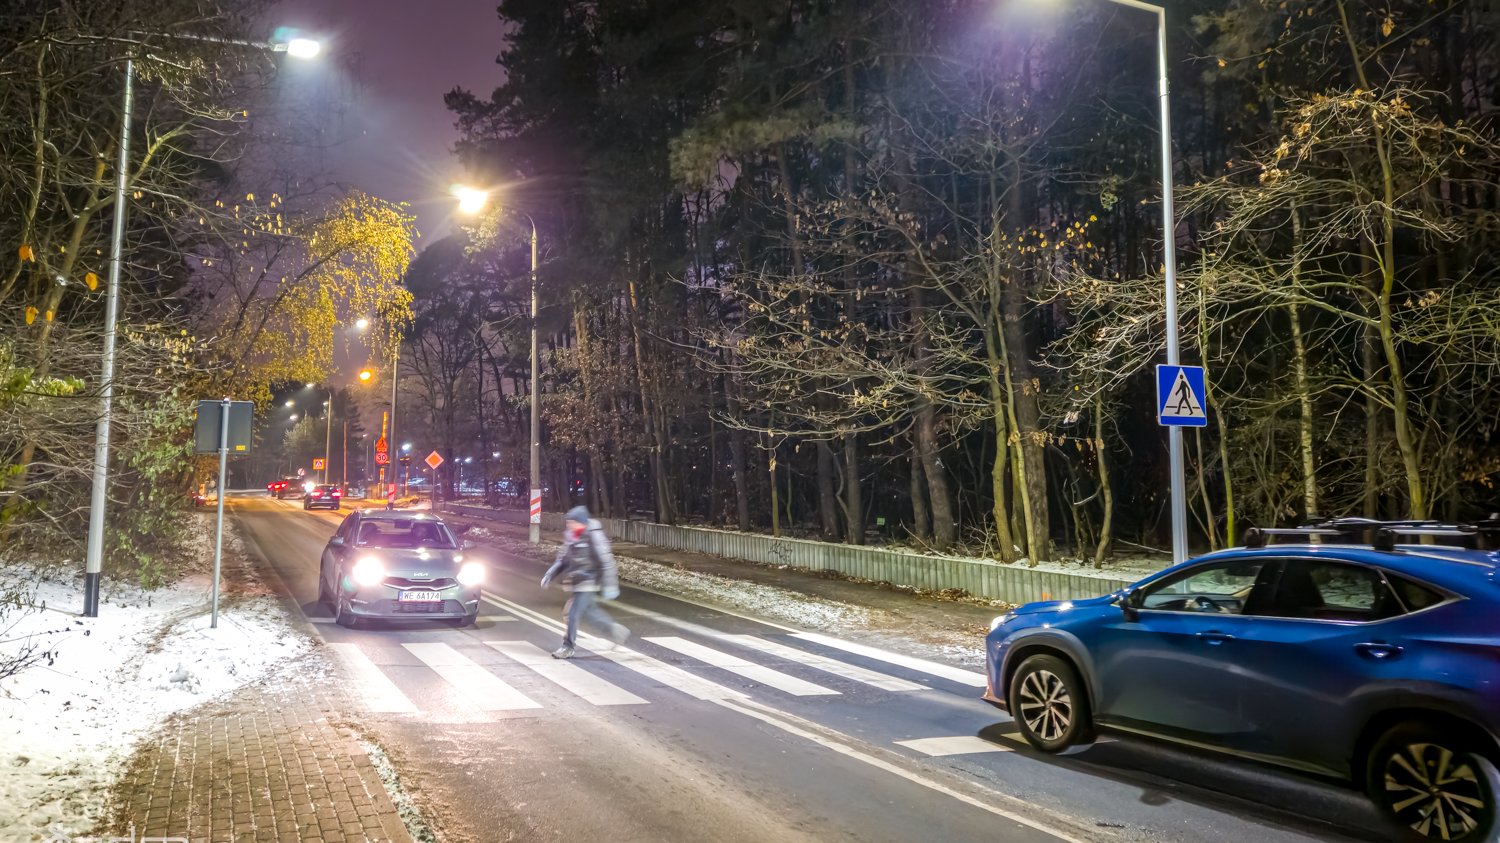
x: 99, y: 497
x: 471, y: 200
x: 1169, y: 262
x: 361, y: 324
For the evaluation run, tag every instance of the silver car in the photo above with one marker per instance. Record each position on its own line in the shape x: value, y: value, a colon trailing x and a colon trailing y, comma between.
x: 396, y: 565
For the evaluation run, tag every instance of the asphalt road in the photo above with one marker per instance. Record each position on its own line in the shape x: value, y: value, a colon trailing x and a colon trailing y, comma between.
x: 708, y: 725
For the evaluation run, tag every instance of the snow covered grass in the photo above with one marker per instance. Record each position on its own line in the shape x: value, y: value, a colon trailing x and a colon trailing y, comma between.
x: 69, y: 722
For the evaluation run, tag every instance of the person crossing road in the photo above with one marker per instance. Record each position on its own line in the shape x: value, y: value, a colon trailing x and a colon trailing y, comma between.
x: 585, y: 566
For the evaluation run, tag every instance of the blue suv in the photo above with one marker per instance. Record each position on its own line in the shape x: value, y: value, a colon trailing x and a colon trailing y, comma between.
x: 1374, y: 662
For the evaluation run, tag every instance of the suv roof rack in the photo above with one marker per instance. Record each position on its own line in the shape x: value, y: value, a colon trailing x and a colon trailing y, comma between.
x: 1382, y: 535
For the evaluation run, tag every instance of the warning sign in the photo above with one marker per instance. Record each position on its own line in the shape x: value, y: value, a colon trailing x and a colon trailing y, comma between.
x: 1181, y: 396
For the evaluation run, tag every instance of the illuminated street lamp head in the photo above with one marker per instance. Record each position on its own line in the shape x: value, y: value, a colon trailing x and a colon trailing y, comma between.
x: 406, y: 446
x: 471, y: 200
x: 294, y: 416
x: 361, y: 323
x: 291, y: 403
x: 303, y: 48
x: 365, y: 375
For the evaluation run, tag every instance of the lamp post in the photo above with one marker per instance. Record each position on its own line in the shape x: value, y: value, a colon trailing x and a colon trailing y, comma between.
x: 1169, y: 262
x: 470, y: 201
x: 99, y: 493
x: 327, y: 434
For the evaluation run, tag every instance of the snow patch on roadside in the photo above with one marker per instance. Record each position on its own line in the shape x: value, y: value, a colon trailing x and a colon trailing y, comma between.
x: 68, y: 723
x: 411, y: 817
x: 766, y: 601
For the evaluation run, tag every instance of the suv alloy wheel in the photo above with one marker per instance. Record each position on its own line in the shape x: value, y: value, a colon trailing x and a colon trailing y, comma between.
x: 1432, y: 785
x: 1050, y: 705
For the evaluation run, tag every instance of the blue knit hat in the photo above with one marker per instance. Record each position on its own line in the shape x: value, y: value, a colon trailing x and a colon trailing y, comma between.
x: 579, y: 514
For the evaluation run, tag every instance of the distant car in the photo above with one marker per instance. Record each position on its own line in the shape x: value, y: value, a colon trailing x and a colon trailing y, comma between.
x: 1375, y: 663
x: 397, y: 565
x: 284, y: 488
x: 325, y: 495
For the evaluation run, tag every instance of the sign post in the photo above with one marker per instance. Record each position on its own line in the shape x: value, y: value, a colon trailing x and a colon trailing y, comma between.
x: 222, y: 425
x: 434, y: 460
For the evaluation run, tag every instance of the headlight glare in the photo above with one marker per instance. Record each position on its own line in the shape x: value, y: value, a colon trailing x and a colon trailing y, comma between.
x: 1003, y: 619
x: 470, y: 574
x: 368, y: 571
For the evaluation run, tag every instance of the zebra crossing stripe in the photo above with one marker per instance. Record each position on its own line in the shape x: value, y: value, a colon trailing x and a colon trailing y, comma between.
x: 734, y: 664
x: 942, y: 671
x: 781, y: 651
x: 825, y: 664
x: 955, y: 745
x: 485, y: 690
x: 570, y: 676
x: 374, y: 688
x: 659, y: 671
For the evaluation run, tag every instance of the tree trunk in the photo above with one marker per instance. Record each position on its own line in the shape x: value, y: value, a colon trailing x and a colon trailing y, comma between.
x: 921, y: 516
x: 1101, y: 452
x: 944, y: 523
x: 854, y: 497
x: 775, y: 500
x: 828, y: 504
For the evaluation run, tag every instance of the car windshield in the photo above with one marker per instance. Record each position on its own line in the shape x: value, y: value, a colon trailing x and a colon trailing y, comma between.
x: 405, y: 532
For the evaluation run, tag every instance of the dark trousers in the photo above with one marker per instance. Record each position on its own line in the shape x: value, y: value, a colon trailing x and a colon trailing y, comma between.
x: 584, y: 605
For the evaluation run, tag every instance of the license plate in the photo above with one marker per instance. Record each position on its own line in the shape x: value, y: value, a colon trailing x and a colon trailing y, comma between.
x: 419, y: 597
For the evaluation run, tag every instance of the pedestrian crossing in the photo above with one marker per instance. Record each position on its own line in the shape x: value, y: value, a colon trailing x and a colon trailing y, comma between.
x: 504, y: 675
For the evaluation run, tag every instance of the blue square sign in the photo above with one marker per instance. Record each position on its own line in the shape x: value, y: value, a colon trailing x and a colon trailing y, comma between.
x: 1181, y: 396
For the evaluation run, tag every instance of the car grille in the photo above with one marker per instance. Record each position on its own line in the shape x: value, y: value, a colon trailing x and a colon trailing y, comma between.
x: 437, y: 607
x: 439, y: 583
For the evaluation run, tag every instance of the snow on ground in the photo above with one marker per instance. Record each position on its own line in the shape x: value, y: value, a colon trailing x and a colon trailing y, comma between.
x: 765, y: 601
x: 68, y: 723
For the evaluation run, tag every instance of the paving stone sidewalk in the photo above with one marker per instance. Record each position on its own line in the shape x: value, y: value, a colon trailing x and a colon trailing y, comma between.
x: 272, y: 762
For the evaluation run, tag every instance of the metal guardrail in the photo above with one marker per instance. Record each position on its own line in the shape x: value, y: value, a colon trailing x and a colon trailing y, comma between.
x: 979, y: 577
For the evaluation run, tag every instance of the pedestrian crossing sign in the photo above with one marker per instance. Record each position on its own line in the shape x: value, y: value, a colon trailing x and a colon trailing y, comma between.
x: 1181, y: 396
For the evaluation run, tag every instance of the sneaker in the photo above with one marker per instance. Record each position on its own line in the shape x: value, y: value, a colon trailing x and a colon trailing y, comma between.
x: 563, y: 653
x: 619, y: 635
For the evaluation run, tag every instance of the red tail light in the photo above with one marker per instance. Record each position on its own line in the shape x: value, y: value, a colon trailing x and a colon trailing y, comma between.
x: 318, y: 494
x: 337, y: 493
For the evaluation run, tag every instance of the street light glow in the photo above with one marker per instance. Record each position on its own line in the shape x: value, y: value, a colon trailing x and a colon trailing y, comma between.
x: 365, y: 375
x: 303, y: 48
x: 361, y: 323
x: 406, y: 446
x: 471, y: 200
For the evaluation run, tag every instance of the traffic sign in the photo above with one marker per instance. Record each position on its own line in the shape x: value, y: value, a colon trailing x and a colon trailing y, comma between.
x: 1181, y: 396
x: 319, y: 463
x: 301, y: 472
x: 381, y: 447
x: 381, y: 458
x: 434, y: 460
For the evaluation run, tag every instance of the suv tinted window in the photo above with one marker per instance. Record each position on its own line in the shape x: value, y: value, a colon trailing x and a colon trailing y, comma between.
x: 1414, y: 596
x: 1222, y: 588
x: 1317, y: 589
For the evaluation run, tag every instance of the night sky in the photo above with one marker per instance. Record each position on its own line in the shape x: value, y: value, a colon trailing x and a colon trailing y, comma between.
x: 401, y: 57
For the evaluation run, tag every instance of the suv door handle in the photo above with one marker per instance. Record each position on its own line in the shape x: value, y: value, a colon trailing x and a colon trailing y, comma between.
x: 1378, y: 651
x: 1214, y: 638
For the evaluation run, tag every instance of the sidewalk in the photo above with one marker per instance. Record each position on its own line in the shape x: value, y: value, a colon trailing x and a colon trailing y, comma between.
x: 268, y: 763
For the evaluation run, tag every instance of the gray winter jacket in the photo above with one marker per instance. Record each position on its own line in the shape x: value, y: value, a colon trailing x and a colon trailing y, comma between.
x: 586, y: 564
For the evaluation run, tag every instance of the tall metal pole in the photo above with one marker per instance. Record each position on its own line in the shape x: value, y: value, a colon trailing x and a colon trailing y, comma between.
x: 1169, y: 249
x: 344, y: 457
x: 391, y: 446
x: 534, y: 527
x: 213, y: 622
x: 328, y: 439
x: 99, y: 498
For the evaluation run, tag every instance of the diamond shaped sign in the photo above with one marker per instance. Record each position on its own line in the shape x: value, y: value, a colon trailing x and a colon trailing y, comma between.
x: 434, y: 460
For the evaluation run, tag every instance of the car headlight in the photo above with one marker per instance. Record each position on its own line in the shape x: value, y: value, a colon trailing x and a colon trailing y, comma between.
x: 1003, y: 619
x: 470, y: 574
x: 368, y: 571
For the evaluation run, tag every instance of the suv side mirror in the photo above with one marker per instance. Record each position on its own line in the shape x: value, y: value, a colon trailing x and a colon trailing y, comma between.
x: 1129, y: 602
x: 336, y: 541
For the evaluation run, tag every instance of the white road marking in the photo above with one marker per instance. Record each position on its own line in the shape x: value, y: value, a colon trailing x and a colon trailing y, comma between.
x: 955, y: 745
x: 942, y: 671
x: 803, y: 728
x: 781, y: 651
x: 734, y: 664
x: 570, y: 676
x: 668, y: 675
x: 320, y: 620
x: 485, y: 690
x: 374, y: 688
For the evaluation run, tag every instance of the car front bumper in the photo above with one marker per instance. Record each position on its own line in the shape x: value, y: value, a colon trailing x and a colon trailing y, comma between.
x: 384, y: 601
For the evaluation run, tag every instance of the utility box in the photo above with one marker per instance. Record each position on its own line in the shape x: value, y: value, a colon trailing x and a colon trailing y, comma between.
x: 206, y: 430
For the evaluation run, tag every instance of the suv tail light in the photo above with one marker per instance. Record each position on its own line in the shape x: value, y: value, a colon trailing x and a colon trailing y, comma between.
x: 337, y: 493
